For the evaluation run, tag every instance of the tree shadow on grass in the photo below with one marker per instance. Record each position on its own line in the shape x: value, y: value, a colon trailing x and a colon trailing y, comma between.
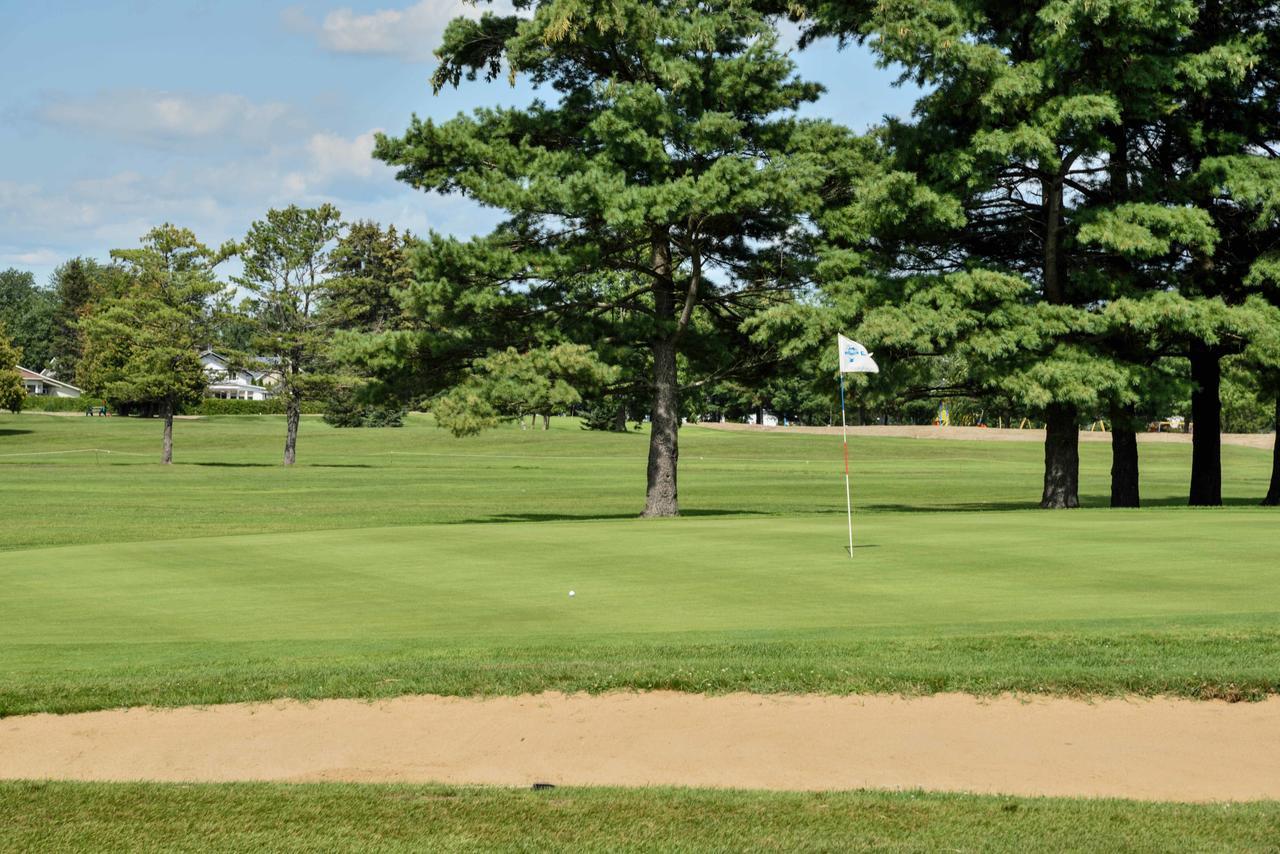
x: 281, y: 465
x: 1087, y: 502
x: 8, y: 432
x: 583, y: 517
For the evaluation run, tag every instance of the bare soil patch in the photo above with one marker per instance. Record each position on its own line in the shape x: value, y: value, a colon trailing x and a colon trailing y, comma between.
x: 992, y: 434
x: 1150, y: 749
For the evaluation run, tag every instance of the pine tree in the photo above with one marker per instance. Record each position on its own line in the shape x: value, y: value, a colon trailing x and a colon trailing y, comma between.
x: 142, y: 347
x: 640, y: 201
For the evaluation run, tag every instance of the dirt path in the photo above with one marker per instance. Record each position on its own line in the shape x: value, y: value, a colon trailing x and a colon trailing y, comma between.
x: 1147, y: 749
x: 984, y: 434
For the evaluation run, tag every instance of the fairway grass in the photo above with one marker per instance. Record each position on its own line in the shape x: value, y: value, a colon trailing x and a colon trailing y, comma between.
x: 405, y: 561
x: 330, y: 817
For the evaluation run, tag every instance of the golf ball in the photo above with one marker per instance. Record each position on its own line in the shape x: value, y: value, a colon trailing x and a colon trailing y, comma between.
x: 571, y: 593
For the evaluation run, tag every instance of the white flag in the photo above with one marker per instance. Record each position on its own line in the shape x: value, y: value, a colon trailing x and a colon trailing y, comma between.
x: 854, y: 358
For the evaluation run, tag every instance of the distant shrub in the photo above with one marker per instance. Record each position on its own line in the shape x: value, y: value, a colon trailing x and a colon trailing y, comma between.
x: 45, y: 403
x: 273, y: 406
x: 345, y: 409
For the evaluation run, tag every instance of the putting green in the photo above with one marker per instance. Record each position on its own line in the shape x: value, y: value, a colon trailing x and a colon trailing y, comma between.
x: 324, y: 581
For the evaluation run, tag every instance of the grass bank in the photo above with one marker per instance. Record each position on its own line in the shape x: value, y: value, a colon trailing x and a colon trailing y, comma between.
x: 244, y: 817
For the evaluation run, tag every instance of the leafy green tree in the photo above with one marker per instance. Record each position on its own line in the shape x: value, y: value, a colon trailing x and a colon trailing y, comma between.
x: 142, y: 347
x: 286, y: 260
x: 641, y: 202
x: 27, y: 312
x: 12, y: 392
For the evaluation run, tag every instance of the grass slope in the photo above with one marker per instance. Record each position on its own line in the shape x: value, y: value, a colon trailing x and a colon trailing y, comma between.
x: 141, y: 817
x: 307, y: 592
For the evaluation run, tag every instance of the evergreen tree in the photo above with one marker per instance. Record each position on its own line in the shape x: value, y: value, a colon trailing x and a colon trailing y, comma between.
x: 369, y: 267
x: 286, y: 259
x: 640, y: 202
x: 142, y: 347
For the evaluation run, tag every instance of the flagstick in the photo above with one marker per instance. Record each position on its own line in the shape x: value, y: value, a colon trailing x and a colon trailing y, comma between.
x: 844, y: 430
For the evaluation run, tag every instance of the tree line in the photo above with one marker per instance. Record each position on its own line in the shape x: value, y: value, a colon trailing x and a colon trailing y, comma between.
x: 1079, y: 220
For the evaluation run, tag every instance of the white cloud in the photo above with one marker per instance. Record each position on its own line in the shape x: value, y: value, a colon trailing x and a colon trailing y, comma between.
x: 34, y: 258
x: 172, y: 119
x: 411, y: 33
x: 333, y: 155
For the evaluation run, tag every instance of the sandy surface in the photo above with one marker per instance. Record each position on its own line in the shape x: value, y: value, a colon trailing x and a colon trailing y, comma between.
x: 992, y: 434
x: 1161, y: 749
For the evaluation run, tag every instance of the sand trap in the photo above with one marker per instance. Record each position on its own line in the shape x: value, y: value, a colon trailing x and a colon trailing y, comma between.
x: 1263, y: 441
x: 1147, y: 749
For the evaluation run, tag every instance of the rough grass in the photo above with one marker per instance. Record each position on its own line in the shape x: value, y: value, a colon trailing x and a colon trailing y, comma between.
x: 230, y: 578
x: 328, y: 817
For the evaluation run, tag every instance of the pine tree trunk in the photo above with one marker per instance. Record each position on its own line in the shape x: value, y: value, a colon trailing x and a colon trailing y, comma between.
x: 664, y: 427
x: 293, y: 413
x: 1273, y: 493
x: 620, y: 420
x: 664, y: 451
x: 1124, y: 460
x: 1206, y: 427
x: 166, y: 450
x: 1061, y: 458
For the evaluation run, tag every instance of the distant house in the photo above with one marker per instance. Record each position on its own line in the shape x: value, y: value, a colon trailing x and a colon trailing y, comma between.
x: 45, y: 386
x: 228, y: 383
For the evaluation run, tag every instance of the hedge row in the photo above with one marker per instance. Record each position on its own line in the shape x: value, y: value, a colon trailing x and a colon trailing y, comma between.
x: 208, y: 406
x: 274, y: 406
x: 43, y: 403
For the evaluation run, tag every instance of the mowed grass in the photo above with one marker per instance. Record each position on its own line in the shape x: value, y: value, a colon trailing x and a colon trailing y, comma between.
x: 326, y: 817
x: 405, y: 561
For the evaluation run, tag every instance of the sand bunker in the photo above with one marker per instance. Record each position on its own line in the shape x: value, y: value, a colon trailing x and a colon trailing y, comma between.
x: 1161, y: 749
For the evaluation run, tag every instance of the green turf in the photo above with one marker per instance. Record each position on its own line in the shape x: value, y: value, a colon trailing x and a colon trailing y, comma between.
x: 396, y: 561
x: 141, y: 817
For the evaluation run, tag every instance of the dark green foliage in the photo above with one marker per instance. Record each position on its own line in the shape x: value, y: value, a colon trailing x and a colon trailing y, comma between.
x: 643, y: 202
x: 369, y: 268
x: 346, y: 407
x: 12, y: 393
x: 26, y: 312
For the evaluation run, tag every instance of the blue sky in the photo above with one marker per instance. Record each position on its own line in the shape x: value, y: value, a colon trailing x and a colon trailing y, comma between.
x: 117, y: 116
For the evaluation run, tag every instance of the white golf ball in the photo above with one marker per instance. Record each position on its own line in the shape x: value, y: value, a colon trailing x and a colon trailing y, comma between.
x: 571, y: 593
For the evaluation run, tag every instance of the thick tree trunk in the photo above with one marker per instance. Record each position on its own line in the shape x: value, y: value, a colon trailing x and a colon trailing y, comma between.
x: 1124, y: 459
x: 1062, y: 428
x: 1061, y: 458
x: 1206, y: 427
x: 1273, y: 493
x: 546, y: 422
x: 620, y: 420
x: 293, y: 413
x: 664, y: 449
x: 166, y: 449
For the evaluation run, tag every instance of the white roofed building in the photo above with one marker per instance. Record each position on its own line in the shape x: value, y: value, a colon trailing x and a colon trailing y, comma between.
x: 45, y: 386
x: 228, y: 383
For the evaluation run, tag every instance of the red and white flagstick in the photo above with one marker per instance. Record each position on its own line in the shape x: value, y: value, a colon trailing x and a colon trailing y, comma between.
x: 844, y: 431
